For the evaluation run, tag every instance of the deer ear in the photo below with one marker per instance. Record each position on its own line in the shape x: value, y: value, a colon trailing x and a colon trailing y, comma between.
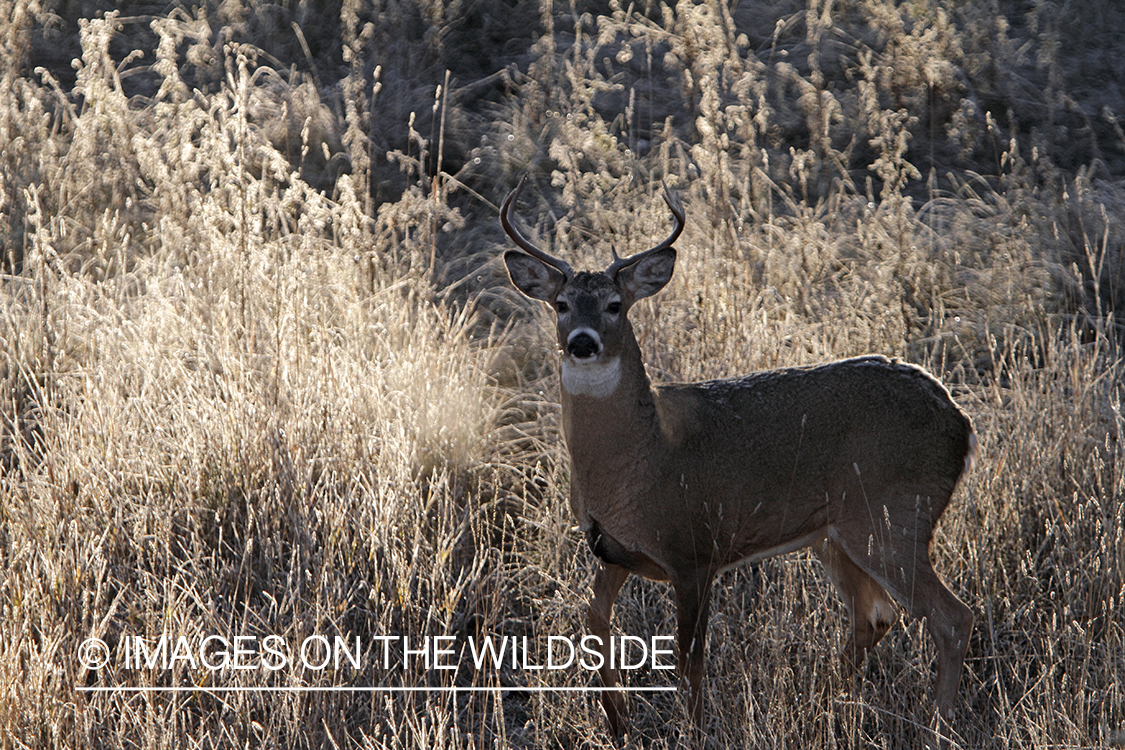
x: 648, y: 275
x: 533, y: 277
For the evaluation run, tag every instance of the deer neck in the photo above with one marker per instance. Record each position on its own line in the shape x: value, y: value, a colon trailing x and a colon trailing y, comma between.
x: 609, y: 416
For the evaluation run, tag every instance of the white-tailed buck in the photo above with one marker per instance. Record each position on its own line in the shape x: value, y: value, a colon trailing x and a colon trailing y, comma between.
x: 677, y: 482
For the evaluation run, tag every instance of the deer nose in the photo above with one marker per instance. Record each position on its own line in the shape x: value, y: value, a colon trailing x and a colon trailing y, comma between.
x: 582, y: 345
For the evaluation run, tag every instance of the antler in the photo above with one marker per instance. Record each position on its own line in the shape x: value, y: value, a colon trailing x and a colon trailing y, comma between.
x: 677, y: 212
x: 506, y: 213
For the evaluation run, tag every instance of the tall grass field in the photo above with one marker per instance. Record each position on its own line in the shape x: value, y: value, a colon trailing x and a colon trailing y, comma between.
x: 279, y: 441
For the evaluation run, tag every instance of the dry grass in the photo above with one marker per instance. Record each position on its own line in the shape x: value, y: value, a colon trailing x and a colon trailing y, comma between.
x: 261, y: 375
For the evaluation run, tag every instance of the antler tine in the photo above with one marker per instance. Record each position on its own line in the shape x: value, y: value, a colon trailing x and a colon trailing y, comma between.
x: 677, y: 209
x: 506, y: 213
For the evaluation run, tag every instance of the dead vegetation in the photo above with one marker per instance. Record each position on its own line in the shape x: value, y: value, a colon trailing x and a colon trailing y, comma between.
x: 261, y: 374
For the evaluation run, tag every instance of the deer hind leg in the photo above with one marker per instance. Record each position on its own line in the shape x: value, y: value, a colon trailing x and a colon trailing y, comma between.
x: 870, y: 608
x: 950, y: 623
x: 896, y: 553
x: 693, y: 606
x: 607, y: 582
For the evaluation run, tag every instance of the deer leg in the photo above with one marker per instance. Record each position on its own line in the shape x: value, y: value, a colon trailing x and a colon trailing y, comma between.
x: 693, y: 604
x: 607, y: 582
x: 870, y: 608
x: 897, y: 556
x: 950, y: 623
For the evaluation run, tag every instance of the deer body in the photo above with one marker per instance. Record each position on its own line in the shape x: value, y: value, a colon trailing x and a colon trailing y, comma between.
x: 742, y: 467
x: 856, y: 458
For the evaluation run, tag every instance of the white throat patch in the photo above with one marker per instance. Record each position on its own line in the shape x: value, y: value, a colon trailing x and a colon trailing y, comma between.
x: 597, y: 379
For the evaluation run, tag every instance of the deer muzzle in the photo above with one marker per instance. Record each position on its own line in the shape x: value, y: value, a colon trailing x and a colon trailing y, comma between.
x: 583, y: 343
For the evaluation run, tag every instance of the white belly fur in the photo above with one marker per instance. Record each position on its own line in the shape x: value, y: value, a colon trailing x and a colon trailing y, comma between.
x: 597, y: 379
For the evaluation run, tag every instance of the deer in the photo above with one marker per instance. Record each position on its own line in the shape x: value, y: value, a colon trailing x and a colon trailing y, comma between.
x: 677, y: 482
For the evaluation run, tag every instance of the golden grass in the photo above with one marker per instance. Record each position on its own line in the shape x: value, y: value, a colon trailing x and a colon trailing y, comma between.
x: 261, y: 375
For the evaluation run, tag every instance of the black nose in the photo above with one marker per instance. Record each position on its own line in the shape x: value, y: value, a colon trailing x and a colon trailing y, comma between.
x: 582, y: 346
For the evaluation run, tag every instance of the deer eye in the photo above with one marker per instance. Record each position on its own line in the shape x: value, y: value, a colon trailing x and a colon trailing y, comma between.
x: 561, y: 306
x: 613, y: 308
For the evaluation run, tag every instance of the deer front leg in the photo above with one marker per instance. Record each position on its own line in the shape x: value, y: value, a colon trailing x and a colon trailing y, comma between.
x: 693, y: 604
x: 607, y: 582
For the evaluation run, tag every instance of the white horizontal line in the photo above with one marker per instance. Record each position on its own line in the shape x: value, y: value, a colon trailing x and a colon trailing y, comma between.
x: 329, y: 689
